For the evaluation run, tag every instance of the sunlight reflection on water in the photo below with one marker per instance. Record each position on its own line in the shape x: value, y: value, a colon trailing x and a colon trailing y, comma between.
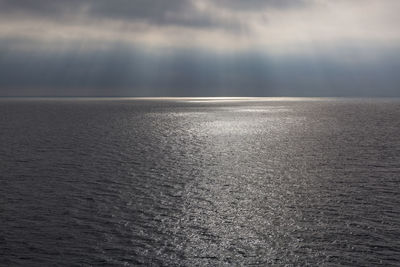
x: 172, y: 182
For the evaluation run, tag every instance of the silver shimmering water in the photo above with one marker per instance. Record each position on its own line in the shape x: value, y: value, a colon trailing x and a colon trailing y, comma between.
x: 200, y: 182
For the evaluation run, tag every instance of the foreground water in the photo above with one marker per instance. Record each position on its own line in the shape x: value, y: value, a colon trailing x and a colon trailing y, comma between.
x: 200, y: 182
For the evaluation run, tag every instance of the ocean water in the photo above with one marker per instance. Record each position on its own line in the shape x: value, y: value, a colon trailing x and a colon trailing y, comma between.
x: 195, y: 182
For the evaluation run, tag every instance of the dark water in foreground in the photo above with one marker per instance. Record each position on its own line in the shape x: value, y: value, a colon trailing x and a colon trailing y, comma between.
x: 127, y: 182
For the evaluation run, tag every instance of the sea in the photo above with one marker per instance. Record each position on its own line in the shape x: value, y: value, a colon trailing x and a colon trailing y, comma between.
x: 199, y: 182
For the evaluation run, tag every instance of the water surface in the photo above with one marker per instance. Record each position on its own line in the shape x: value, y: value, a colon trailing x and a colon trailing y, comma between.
x: 200, y: 182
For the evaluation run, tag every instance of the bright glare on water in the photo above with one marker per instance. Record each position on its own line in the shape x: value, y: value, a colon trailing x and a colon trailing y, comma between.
x: 200, y: 182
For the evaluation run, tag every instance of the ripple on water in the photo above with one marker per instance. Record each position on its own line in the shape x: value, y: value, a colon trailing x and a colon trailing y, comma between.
x: 177, y: 182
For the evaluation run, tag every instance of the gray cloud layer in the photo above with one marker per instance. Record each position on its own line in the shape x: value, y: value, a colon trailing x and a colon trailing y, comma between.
x: 153, y: 11
x: 160, y: 13
x: 225, y: 23
x: 261, y: 4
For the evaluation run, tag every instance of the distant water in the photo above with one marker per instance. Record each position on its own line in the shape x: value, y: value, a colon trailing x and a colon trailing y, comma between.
x: 200, y: 182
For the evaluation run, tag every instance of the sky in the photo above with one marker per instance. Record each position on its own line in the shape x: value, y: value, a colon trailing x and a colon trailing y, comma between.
x: 199, y: 48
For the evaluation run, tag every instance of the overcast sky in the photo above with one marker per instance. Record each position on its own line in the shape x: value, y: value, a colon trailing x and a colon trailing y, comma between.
x: 199, y: 48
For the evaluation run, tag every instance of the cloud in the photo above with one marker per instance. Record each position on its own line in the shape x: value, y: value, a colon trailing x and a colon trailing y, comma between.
x: 214, y: 24
x: 198, y: 47
x: 256, y: 5
x: 190, y: 13
x: 155, y: 12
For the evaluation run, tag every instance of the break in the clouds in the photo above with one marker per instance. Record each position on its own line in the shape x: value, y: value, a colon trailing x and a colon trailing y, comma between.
x: 199, y: 47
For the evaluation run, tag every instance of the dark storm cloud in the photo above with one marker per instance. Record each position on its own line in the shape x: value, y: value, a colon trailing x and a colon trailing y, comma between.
x: 160, y: 12
x: 132, y: 8
x: 175, y: 12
